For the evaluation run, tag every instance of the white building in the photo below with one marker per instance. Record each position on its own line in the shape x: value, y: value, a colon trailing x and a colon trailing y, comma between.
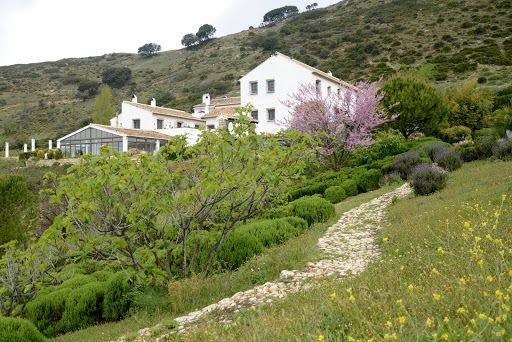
x: 273, y: 81
x: 148, y: 126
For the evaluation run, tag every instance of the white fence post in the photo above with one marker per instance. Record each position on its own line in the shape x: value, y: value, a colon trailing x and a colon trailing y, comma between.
x: 33, y: 145
x: 6, y: 150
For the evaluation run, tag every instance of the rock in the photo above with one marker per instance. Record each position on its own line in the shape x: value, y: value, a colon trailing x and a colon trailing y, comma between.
x: 286, y: 274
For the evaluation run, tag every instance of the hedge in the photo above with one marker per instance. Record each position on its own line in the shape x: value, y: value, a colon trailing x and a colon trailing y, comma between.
x: 312, y: 209
x: 19, y: 330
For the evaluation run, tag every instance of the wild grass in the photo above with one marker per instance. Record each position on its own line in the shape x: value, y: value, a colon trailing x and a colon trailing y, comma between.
x: 197, y: 293
x: 445, y: 275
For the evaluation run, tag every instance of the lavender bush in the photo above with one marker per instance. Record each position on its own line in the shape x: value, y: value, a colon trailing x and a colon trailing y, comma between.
x: 405, y: 162
x: 426, y: 179
x: 432, y: 148
x: 484, y: 146
x: 448, y: 159
x: 502, y: 150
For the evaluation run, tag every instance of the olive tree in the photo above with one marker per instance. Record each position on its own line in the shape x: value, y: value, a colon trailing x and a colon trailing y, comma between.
x: 140, y: 213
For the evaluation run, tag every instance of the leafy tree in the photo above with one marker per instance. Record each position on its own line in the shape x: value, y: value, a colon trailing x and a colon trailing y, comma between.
x: 149, y: 50
x: 103, y: 110
x: 468, y: 106
x: 116, y: 77
x: 502, y: 120
x: 125, y: 211
x: 339, y: 123
x: 189, y: 40
x: 311, y: 7
x: 17, y: 209
x: 420, y: 107
x: 279, y: 13
x: 88, y: 89
x: 205, y: 32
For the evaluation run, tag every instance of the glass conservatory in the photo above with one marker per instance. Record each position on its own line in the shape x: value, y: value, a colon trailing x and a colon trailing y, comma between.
x: 90, y: 139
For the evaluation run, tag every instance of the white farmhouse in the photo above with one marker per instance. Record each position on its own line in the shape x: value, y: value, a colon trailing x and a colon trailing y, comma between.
x: 147, y: 127
x: 273, y: 81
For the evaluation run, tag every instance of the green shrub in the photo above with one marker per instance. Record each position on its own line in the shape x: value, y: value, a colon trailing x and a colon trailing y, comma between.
x: 46, y: 311
x: 58, y: 154
x: 502, y: 150
x: 448, y: 159
x: 484, y: 146
x: 405, y: 162
x: 297, y: 222
x: 335, y: 194
x: 312, y: 209
x: 271, y: 232
x: 237, y: 248
x: 468, y: 152
x: 116, y: 302
x: 369, y: 180
x: 430, y: 149
x: 455, y: 134
x: 50, y: 154
x: 26, y: 155
x: 40, y: 154
x: 101, y: 275
x: 426, y: 179
x: 84, y: 306
x: 350, y: 187
x: 19, y: 330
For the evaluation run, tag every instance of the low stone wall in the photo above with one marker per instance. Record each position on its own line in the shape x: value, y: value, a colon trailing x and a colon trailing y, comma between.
x: 50, y: 162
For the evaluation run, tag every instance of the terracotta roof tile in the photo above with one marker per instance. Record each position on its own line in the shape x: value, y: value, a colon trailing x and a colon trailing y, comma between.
x: 164, y: 111
x: 140, y: 133
x: 220, y: 111
x: 233, y: 101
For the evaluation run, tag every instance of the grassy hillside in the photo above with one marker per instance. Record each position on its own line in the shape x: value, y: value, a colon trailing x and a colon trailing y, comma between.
x: 355, y: 39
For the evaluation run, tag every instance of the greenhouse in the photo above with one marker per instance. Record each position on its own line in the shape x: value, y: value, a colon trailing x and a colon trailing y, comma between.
x: 88, y: 140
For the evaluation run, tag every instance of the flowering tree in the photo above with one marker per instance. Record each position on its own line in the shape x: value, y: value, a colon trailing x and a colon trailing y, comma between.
x: 339, y: 122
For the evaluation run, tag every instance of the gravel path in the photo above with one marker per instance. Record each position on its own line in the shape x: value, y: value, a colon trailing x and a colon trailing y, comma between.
x: 348, y: 246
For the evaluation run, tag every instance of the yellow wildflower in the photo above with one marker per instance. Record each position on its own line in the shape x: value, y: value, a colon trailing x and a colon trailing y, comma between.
x: 429, y: 322
x: 401, y: 319
x: 490, y: 278
x: 461, y: 310
x: 436, y: 296
x: 321, y: 338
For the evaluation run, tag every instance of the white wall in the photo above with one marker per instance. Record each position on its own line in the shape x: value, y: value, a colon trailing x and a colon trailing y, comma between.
x: 287, y: 75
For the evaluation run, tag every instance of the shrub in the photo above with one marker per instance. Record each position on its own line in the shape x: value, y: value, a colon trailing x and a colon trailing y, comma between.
x: 40, y: 154
x: 50, y: 154
x: 18, y: 329
x: 390, y: 178
x: 58, y: 154
x: 239, y: 246
x: 83, y: 306
x: 426, y: 179
x: 335, y: 194
x: 46, y: 311
x: 502, y: 150
x: 312, y: 209
x: 272, y: 232
x: 350, y: 187
x: 484, y: 146
x: 405, y: 162
x: 455, y: 134
x: 117, y: 301
x: 26, y: 155
x: 369, y: 180
x: 101, y: 275
x: 449, y: 159
x: 430, y: 149
x: 468, y: 152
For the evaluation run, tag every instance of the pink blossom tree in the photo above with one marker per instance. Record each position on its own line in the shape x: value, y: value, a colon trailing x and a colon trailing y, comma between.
x: 339, y: 122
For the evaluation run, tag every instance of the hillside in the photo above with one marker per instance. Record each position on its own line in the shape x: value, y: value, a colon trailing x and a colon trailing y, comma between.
x: 355, y: 39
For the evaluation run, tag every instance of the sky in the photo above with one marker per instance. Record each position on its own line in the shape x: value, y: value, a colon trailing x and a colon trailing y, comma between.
x: 48, y: 30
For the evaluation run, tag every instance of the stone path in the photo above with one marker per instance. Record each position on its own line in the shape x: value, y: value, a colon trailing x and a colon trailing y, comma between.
x: 348, y: 246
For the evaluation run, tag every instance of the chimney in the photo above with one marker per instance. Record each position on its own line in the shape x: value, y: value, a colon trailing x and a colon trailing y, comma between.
x: 206, y: 99
x: 153, y: 102
x: 134, y: 99
x: 329, y: 73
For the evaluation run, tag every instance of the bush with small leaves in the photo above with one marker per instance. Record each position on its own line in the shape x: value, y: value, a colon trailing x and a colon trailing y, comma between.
x: 40, y: 154
x: 116, y: 302
x: 18, y: 329
x: 312, y: 209
x: 502, y: 150
x: 350, y: 187
x: 455, y: 134
x: 83, y: 306
x: 368, y: 180
x: 390, y: 178
x: 239, y: 246
x: 430, y: 149
x: 426, y: 179
x: 468, y: 152
x: 448, y: 159
x: 50, y: 154
x: 335, y: 194
x: 405, y: 162
x: 484, y: 146
x: 58, y: 154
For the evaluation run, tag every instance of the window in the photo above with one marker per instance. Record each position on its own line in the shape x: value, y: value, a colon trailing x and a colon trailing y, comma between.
x: 210, y: 126
x: 136, y: 123
x: 271, y: 86
x: 271, y: 114
x: 178, y: 124
x: 339, y: 91
x: 318, y: 85
x: 159, y: 123
x: 328, y: 90
x: 254, y: 88
x: 254, y: 114
x: 196, y: 126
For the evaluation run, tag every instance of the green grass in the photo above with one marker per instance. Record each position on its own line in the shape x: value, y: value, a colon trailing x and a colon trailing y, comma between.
x: 197, y: 293
x: 445, y: 275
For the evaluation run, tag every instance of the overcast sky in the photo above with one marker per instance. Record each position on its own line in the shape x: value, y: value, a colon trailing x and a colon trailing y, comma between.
x: 49, y: 30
